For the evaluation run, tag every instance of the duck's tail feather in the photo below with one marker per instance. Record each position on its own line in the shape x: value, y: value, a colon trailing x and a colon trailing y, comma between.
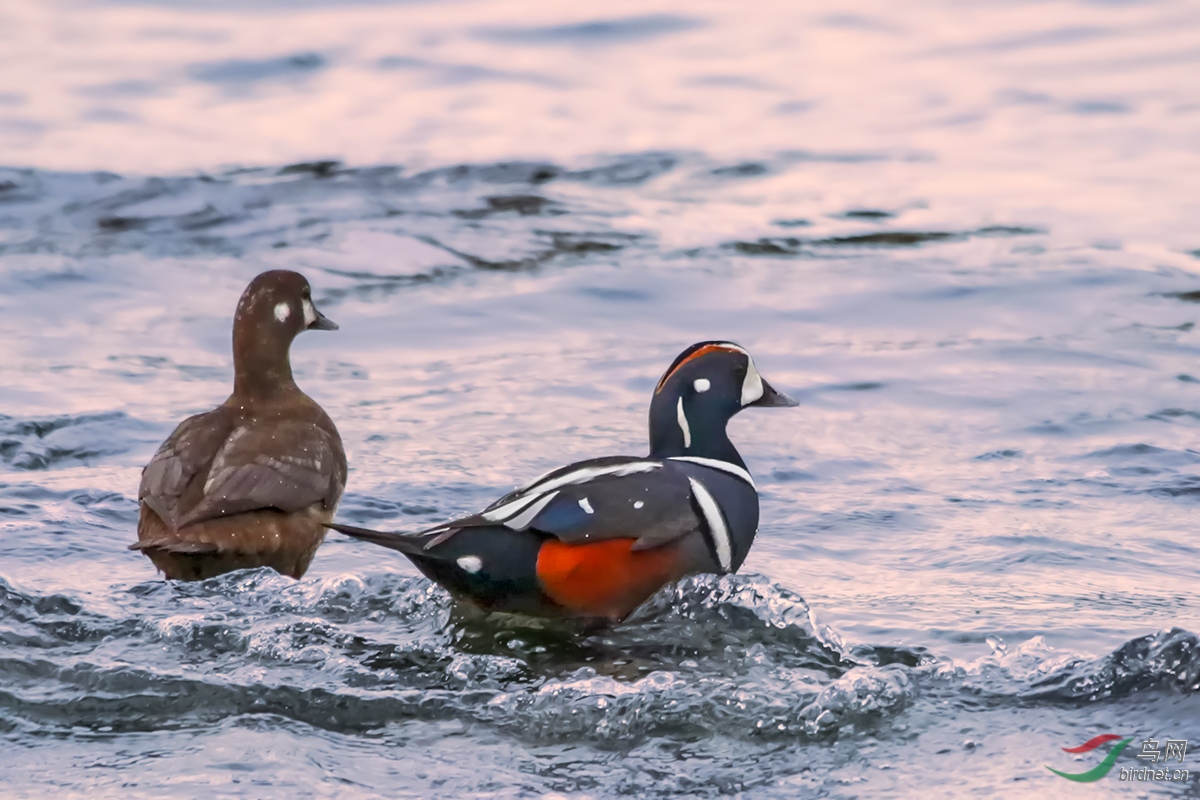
x: 406, y: 543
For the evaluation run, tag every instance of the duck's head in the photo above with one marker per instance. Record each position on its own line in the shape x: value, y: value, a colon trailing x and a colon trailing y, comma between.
x: 279, y: 303
x: 703, y: 389
x: 275, y: 308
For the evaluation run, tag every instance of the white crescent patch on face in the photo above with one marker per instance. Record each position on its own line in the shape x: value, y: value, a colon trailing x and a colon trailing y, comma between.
x: 282, y: 311
x: 752, y: 386
x: 310, y: 313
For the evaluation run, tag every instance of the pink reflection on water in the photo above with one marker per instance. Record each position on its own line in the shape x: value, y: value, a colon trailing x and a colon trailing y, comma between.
x: 1087, y: 108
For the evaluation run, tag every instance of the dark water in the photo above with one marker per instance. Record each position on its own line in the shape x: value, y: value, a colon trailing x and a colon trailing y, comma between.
x: 963, y: 236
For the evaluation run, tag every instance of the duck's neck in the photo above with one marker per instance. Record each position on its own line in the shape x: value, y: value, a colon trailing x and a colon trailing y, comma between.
x: 673, y: 433
x: 261, y: 368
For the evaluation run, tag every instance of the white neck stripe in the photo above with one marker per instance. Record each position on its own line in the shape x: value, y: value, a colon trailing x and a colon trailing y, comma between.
x: 683, y: 423
x: 716, y: 463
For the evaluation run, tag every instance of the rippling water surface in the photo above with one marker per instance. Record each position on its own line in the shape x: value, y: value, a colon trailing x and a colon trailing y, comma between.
x: 964, y: 235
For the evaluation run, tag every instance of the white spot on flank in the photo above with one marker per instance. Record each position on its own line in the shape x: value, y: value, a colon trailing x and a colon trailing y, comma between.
x: 586, y: 506
x: 471, y: 564
x: 702, y: 384
x: 310, y: 313
x: 638, y: 504
x: 282, y: 312
x: 683, y: 424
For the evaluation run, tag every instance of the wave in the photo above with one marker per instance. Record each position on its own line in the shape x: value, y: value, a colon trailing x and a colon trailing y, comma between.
x: 511, y: 215
x: 48, y: 442
x: 733, y: 655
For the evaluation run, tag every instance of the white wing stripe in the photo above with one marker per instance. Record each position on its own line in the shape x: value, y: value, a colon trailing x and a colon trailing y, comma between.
x: 583, y: 475
x: 724, y: 466
x: 717, y: 530
x: 522, y: 520
x: 587, y: 473
x: 538, y: 479
x: 508, y: 509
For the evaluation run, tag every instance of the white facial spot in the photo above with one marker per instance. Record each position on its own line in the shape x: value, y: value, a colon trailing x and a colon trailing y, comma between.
x: 282, y: 311
x: 683, y: 424
x: 638, y: 504
x: 752, y: 386
x: 702, y: 385
x: 586, y: 506
x: 310, y: 313
x: 471, y: 564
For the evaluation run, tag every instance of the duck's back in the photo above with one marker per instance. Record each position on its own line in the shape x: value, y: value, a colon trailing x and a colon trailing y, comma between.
x: 241, y: 487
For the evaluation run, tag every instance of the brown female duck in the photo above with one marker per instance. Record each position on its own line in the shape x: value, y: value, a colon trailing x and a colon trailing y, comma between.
x: 253, y: 482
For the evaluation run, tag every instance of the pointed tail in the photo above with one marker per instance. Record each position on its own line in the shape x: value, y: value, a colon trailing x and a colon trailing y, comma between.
x: 402, y: 542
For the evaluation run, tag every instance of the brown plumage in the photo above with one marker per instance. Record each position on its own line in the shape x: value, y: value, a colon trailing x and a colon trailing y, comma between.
x: 253, y: 482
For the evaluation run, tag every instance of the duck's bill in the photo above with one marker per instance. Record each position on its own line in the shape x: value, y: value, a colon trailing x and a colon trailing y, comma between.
x: 322, y: 323
x: 773, y: 398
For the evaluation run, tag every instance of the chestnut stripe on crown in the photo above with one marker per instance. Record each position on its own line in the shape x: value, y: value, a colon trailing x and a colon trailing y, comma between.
x: 701, y: 349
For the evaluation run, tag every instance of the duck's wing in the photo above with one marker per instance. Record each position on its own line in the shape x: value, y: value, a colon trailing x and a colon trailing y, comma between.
x: 285, y: 465
x: 167, y: 485
x: 617, y: 497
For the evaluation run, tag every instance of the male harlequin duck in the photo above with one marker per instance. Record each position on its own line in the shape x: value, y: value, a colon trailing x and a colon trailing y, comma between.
x: 597, y: 538
x: 253, y: 482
